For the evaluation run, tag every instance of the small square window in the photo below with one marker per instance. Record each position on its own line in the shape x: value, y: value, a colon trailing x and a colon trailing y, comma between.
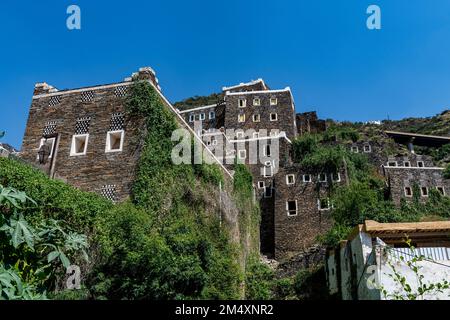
x: 79, y: 144
x: 273, y: 101
x: 257, y: 102
x: 242, y: 103
x: 408, y: 192
x: 267, y: 192
x: 367, y: 148
x: 354, y: 149
x: 406, y: 164
x: 191, y: 117
x: 392, y: 163
x: 290, y: 179
x: 336, y: 177
x: 323, y: 204
x: 441, y: 190
x: 268, y: 172
x: 202, y: 116
x: 242, y: 154
x: 420, y: 164
x: 212, y: 115
x: 424, y: 191
x: 291, y: 208
x: 114, y: 141
x: 307, y: 178
x: 273, y: 117
x: 256, y: 118
x: 241, y: 118
x: 322, y: 177
x: 261, y: 184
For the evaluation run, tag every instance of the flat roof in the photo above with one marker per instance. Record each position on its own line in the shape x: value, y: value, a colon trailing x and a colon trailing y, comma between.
x: 418, y: 139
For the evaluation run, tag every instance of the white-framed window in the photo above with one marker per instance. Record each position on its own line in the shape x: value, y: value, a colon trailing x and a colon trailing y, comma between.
x: 202, y: 116
x: 208, y: 143
x: 367, y: 148
x: 290, y: 179
x: 307, y: 178
x: 79, y: 144
x: 242, y: 154
x: 424, y: 191
x: 191, y: 117
x: 323, y: 204
x: 291, y: 208
x: 214, y: 142
x: 420, y: 164
x: 354, y: 149
x: 242, y: 103
x: 267, y: 151
x: 240, y: 134
x: 50, y: 142
x: 336, y: 177
x: 322, y: 177
x: 441, y: 190
x: 256, y: 102
x: 406, y: 164
x: 256, y: 118
x: 255, y: 135
x: 241, y: 118
x: 273, y: 101
x: 212, y: 115
x: 267, y: 192
x: 268, y: 171
x: 114, y: 141
x: 273, y: 117
x: 392, y: 164
x: 261, y: 184
x: 408, y: 192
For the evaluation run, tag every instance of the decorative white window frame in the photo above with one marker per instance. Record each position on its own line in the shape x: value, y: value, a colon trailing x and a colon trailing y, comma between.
x: 266, y: 148
x: 242, y: 103
x: 41, y: 143
x: 192, y: 117
x: 420, y: 166
x: 289, y: 211
x: 354, y: 149
x: 265, y: 192
x: 273, y: 101
x: 261, y: 184
x: 307, y: 181
x: 441, y: 188
x: 202, y: 116
x: 214, y: 142
x: 407, y: 164
x: 256, y: 117
x: 426, y: 193
x: 322, y: 180
x: 293, y: 179
x: 265, y: 171
x: 319, y: 204
x: 369, y: 150
x: 212, y: 115
x: 256, y: 102
x: 72, y: 146
x: 276, y: 116
x: 338, y: 177
x: 406, y: 194
x: 240, y: 154
x: 395, y: 164
x: 241, y: 118
x: 108, y: 141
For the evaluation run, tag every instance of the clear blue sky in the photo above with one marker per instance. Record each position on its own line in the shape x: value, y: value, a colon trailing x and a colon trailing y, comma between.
x: 321, y: 49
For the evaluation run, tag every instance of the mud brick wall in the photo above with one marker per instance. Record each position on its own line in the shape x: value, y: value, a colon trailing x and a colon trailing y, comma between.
x: 308, y: 122
x: 97, y: 168
x: 207, y: 124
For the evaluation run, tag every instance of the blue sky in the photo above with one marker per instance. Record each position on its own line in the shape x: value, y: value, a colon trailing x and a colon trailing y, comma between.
x: 321, y: 49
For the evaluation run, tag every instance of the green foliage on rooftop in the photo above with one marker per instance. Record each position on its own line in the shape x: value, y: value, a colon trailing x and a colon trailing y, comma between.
x: 199, y: 101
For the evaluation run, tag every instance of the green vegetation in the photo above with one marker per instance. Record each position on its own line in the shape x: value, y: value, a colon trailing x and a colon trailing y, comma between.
x: 199, y: 101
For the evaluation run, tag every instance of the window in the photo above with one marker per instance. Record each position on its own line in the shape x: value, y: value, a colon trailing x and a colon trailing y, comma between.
x: 392, y: 163
x: 212, y: 115
x: 256, y: 118
x: 191, y: 117
x: 214, y: 142
x: 336, y: 177
x: 420, y: 164
x: 241, y: 118
x: 323, y: 204
x: 267, y: 149
x: 268, y: 172
x: 291, y: 208
x: 290, y: 179
x: 110, y: 193
x: 441, y: 190
x: 257, y: 102
x: 273, y: 117
x: 79, y: 144
x: 242, y: 103
x: 240, y: 134
x: 408, y: 192
x: 50, y: 143
x: 322, y: 177
x: 202, y: 116
x: 367, y: 148
x: 307, y: 178
x: 267, y: 192
x: 424, y: 191
x: 261, y: 184
x: 242, y: 154
x: 354, y: 149
x: 114, y: 141
x: 208, y: 143
x: 406, y: 164
x: 273, y: 101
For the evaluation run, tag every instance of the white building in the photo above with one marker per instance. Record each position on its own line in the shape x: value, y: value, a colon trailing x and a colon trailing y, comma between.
x: 366, y: 264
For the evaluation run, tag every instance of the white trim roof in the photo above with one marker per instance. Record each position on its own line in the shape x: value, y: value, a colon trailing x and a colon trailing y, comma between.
x: 199, y: 108
x: 245, y: 84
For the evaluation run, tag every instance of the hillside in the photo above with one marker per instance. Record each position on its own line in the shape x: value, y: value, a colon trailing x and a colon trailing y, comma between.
x: 198, y: 101
x: 436, y: 125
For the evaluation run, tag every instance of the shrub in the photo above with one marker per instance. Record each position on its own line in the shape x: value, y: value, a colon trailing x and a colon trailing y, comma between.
x: 258, y: 280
